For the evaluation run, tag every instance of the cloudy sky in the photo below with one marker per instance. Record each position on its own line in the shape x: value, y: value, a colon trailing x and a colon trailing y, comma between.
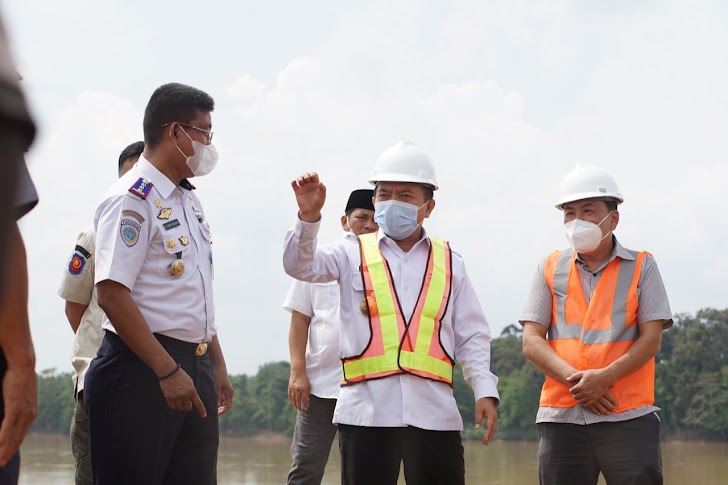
x: 506, y: 96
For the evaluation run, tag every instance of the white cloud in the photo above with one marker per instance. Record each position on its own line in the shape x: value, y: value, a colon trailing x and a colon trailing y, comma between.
x: 505, y: 96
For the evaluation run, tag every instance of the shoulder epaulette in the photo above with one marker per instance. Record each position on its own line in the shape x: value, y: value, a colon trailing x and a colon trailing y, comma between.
x: 141, y: 187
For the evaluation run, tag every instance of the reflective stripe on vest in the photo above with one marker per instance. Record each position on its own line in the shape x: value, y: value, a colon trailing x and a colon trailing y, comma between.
x: 395, y: 345
x: 592, y: 336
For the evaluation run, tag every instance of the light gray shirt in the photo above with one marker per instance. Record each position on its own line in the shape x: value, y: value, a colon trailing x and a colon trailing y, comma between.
x: 652, y: 304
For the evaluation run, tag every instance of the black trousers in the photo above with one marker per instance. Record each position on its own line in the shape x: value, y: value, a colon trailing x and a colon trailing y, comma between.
x: 371, y: 456
x: 626, y: 452
x: 135, y: 437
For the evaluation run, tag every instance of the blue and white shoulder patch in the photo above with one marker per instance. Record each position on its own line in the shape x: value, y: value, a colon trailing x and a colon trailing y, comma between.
x: 141, y: 187
x: 129, y: 232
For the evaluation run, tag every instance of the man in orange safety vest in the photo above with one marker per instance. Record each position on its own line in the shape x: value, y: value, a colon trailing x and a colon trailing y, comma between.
x: 593, y: 324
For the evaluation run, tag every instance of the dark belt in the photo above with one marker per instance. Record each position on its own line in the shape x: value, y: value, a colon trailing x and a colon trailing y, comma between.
x: 189, y: 348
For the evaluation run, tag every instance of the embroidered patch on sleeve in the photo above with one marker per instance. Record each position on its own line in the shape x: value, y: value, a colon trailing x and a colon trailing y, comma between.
x: 77, y: 263
x: 129, y: 232
x: 83, y: 251
x: 134, y: 214
x: 141, y: 187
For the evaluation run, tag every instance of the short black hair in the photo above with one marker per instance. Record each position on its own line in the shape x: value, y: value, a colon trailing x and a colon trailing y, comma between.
x: 173, y: 102
x: 610, y: 203
x: 427, y: 190
x: 133, y: 150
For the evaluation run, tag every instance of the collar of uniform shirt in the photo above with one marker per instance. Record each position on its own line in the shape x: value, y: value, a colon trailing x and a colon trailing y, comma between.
x: 161, y: 182
x: 392, y: 244
x: 617, y: 252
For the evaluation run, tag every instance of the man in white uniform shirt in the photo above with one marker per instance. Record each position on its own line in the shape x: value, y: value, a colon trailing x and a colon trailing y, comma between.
x: 316, y: 368
x: 408, y: 309
x: 84, y: 315
x: 159, y: 381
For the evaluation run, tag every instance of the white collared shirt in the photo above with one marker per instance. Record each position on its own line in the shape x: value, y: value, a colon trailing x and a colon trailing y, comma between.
x: 77, y: 286
x: 320, y: 302
x: 400, y: 400
x: 138, y: 240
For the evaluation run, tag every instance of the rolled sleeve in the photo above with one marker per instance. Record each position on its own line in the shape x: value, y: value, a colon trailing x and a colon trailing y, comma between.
x: 120, y: 256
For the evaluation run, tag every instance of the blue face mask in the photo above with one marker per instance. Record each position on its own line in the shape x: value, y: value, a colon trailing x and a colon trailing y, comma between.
x: 397, y: 219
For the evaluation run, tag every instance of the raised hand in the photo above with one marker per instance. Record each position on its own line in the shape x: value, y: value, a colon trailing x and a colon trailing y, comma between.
x: 310, y: 196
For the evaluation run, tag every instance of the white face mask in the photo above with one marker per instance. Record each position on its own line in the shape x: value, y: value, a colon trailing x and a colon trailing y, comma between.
x: 397, y: 219
x: 203, y: 160
x: 585, y: 236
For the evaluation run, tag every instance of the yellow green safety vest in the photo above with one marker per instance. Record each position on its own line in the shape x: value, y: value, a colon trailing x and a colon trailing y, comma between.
x: 398, y: 346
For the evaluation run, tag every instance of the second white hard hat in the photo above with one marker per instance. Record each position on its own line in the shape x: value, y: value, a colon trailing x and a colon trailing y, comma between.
x: 404, y: 162
x: 588, y: 182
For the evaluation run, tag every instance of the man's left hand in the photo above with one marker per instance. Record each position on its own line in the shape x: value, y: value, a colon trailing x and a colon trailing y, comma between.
x: 20, y: 395
x: 224, y: 393
x: 485, y: 410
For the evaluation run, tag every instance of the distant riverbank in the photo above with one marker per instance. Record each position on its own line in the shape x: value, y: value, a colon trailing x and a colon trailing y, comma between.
x: 266, y: 458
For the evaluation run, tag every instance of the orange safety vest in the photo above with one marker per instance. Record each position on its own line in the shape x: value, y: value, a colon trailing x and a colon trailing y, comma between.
x: 397, y: 346
x: 592, y: 336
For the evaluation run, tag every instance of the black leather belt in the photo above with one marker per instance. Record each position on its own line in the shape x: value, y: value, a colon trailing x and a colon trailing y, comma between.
x: 190, y: 348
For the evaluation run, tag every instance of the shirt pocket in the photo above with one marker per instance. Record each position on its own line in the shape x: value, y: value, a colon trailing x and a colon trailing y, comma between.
x: 356, y: 333
x: 176, y: 246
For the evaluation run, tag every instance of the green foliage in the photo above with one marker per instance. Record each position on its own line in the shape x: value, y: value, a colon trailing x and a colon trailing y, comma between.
x: 691, y: 384
x: 55, y: 402
x: 273, y: 412
x: 691, y: 388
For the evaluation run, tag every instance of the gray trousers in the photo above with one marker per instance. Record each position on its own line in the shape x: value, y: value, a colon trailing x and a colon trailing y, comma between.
x: 79, y: 442
x: 625, y: 452
x: 312, y: 438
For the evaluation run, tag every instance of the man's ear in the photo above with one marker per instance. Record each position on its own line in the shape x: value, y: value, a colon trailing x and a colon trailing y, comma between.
x: 430, y: 207
x: 615, y: 219
x: 345, y: 223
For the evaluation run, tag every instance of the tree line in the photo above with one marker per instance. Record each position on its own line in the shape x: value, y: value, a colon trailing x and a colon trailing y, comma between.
x: 691, y: 388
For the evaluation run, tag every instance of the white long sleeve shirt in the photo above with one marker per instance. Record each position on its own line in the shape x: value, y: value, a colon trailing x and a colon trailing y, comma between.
x: 404, y: 399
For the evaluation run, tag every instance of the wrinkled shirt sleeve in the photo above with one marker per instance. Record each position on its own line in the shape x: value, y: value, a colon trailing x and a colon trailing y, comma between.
x: 472, y: 339
x: 304, y: 261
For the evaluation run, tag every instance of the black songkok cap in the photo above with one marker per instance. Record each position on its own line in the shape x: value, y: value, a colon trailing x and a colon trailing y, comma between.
x: 360, y: 199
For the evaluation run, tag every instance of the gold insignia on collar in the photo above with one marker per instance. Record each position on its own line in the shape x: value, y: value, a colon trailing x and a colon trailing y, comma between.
x: 171, y: 244
x: 164, y: 213
x: 184, y: 241
x: 158, y: 203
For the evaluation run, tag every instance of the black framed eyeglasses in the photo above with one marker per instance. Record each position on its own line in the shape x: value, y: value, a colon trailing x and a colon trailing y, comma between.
x: 208, y: 133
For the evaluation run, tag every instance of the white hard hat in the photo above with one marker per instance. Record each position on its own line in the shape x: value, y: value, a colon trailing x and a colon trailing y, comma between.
x: 588, y: 182
x: 404, y: 162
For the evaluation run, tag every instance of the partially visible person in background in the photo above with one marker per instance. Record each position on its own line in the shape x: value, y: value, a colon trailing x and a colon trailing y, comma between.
x: 18, y: 393
x: 85, y: 316
x: 313, y: 342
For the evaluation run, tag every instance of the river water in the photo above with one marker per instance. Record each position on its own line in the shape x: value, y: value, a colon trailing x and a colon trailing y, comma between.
x: 47, y: 460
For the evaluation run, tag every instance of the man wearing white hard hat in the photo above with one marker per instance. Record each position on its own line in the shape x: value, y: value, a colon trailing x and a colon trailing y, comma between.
x: 593, y: 324
x: 408, y: 309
